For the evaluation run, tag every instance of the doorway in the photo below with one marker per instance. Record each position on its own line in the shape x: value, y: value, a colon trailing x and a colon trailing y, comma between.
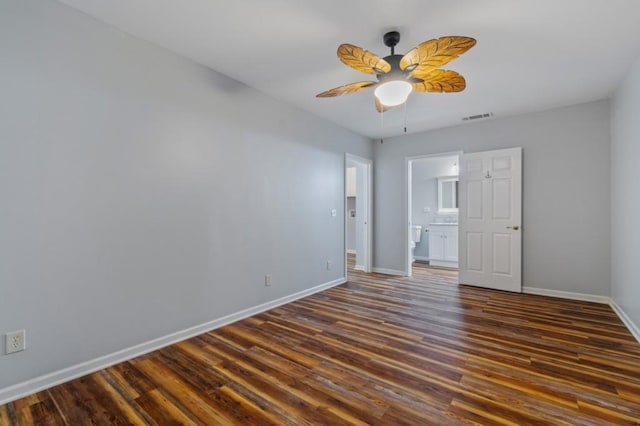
x: 432, y: 211
x: 358, y: 206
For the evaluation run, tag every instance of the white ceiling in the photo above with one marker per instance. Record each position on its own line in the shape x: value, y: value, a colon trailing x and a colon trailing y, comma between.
x: 531, y: 54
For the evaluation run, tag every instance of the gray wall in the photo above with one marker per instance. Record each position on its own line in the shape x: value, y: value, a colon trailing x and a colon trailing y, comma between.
x: 424, y: 193
x: 142, y: 194
x: 625, y: 195
x: 565, y: 194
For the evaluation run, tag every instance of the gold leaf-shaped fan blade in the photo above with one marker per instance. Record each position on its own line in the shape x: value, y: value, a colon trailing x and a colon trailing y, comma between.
x: 362, y: 60
x: 439, y: 81
x: 381, y: 108
x: 346, y: 89
x: 435, y: 53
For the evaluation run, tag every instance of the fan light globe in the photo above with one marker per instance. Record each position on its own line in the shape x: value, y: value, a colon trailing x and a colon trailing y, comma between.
x: 393, y: 93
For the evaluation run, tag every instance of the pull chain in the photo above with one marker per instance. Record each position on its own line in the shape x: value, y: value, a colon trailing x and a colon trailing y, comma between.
x: 381, y: 122
x: 405, y: 117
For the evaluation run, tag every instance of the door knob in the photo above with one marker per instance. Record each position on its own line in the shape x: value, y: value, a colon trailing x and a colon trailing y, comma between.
x: 515, y: 228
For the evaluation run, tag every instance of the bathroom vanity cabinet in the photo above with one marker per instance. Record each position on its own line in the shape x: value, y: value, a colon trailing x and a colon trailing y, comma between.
x: 443, y: 245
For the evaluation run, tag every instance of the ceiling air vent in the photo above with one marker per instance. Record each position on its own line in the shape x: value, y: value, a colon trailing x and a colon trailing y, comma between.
x: 478, y: 116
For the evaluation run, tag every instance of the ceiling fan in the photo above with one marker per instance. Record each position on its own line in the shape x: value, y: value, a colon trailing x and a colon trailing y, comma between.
x: 399, y: 75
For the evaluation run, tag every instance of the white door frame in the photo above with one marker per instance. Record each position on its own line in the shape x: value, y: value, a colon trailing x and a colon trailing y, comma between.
x: 368, y: 201
x: 407, y: 204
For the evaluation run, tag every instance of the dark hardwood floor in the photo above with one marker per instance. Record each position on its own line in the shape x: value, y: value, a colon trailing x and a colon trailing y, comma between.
x: 377, y: 350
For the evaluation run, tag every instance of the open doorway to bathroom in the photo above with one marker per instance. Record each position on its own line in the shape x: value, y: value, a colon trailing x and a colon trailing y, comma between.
x: 358, y: 197
x: 432, y: 207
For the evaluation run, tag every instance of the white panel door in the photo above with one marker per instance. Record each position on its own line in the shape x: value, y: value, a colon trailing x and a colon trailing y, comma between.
x: 490, y: 217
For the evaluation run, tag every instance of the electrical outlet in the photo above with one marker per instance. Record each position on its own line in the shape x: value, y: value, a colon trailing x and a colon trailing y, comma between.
x: 15, y: 342
x: 328, y: 265
x: 267, y: 280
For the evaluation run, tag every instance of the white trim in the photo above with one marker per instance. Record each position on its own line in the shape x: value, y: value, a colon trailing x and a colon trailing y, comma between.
x: 368, y: 214
x: 566, y: 295
x: 444, y: 264
x: 351, y: 251
x: 421, y: 258
x: 359, y: 268
x: 633, y: 328
x: 46, y: 381
x: 389, y: 272
x: 408, y: 199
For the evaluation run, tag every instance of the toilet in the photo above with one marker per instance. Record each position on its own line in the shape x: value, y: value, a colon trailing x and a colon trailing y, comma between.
x: 415, y: 235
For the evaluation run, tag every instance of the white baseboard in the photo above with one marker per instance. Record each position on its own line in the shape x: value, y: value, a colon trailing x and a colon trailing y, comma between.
x: 351, y: 251
x: 46, y: 381
x: 421, y: 258
x: 389, y: 272
x: 633, y: 328
x: 567, y: 295
x: 359, y: 267
x: 444, y: 264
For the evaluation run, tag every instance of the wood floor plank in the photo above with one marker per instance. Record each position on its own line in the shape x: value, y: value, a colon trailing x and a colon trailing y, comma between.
x: 43, y: 413
x: 381, y: 350
x: 5, y: 416
x: 163, y: 410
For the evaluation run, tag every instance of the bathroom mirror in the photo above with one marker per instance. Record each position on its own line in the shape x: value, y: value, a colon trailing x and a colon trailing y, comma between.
x: 448, y: 194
